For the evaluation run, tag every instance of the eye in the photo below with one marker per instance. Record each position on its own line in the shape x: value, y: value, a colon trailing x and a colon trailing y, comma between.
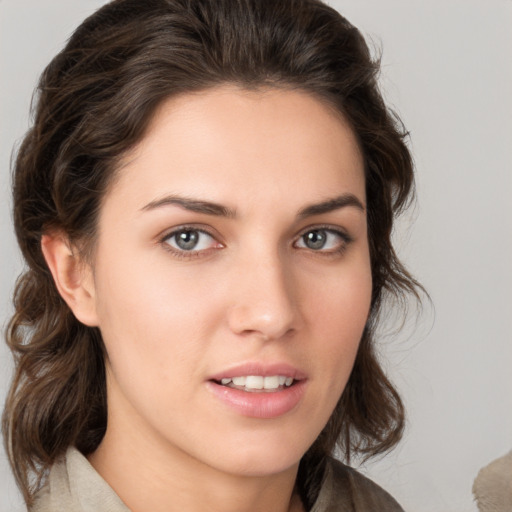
x: 323, y: 239
x: 190, y: 240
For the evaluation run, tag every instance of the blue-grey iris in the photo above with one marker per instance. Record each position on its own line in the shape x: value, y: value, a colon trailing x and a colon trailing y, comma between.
x: 315, y: 239
x: 187, y: 240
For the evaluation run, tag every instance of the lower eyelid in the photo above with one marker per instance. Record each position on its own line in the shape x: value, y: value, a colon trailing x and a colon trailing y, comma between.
x: 214, y: 243
x: 170, y: 235
x: 345, y: 239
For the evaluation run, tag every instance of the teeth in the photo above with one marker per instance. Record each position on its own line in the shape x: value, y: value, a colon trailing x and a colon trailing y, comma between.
x: 239, y: 381
x: 271, y: 382
x: 254, y: 382
x: 257, y: 382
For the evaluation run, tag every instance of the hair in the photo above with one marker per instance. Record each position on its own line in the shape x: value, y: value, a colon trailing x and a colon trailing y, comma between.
x: 94, y: 102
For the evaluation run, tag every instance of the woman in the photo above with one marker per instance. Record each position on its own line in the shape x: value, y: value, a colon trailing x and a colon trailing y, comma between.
x: 205, y: 204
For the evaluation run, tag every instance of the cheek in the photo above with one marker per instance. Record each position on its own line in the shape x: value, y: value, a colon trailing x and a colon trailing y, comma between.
x: 338, y: 312
x: 343, y: 301
x: 144, y: 313
x: 148, y: 320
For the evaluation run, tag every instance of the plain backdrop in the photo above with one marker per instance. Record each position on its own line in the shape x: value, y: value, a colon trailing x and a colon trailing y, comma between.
x: 447, y: 70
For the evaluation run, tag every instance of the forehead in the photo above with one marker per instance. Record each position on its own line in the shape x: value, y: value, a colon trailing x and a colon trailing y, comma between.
x: 228, y: 143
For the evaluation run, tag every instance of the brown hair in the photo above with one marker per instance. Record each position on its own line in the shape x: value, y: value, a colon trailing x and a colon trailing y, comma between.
x: 94, y: 101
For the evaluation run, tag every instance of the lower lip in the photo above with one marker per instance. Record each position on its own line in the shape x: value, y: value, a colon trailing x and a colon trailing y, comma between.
x: 263, y: 405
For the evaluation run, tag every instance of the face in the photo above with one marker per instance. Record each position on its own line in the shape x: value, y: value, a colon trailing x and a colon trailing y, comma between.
x: 232, y: 278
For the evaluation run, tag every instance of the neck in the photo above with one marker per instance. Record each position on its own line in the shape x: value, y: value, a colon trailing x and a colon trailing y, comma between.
x: 149, y: 478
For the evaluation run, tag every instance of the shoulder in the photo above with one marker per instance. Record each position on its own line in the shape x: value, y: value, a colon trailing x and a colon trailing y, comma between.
x: 55, y: 492
x: 73, y: 485
x: 345, y: 489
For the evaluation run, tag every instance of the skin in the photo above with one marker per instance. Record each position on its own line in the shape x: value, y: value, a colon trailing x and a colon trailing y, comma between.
x: 253, y: 291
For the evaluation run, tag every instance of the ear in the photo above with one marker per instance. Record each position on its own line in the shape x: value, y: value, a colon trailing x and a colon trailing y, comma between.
x: 73, y: 277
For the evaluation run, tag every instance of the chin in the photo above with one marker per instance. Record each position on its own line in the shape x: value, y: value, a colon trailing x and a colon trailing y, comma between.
x: 262, y: 458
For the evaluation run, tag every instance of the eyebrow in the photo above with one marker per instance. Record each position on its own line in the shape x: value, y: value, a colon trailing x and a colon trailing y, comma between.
x: 332, y: 204
x: 194, y: 205
x: 211, y: 208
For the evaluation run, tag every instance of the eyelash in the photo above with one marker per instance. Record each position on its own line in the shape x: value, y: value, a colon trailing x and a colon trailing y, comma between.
x: 187, y: 255
x: 345, y: 238
x: 183, y: 254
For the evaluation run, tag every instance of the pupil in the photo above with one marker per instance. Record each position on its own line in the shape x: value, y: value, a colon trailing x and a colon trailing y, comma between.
x: 315, y: 239
x: 187, y: 240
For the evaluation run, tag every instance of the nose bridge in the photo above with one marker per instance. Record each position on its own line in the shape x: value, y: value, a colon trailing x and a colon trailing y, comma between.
x: 264, y: 302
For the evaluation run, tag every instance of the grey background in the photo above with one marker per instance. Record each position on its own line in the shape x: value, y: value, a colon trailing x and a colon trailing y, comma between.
x: 447, y: 69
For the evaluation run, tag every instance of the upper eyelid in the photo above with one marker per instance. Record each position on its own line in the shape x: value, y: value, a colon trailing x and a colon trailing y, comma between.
x: 345, y: 240
x: 167, y: 233
x: 327, y: 227
x: 179, y: 253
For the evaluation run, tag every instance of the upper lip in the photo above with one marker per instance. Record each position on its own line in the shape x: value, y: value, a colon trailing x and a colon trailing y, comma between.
x: 261, y: 369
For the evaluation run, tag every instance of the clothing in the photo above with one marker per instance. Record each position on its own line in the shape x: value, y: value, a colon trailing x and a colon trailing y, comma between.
x: 343, y: 489
x: 74, y: 486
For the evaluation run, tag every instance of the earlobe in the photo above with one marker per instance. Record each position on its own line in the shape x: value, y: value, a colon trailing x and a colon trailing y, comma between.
x: 73, y: 278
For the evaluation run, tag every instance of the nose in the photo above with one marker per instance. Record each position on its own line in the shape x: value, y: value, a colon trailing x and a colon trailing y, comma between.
x: 264, y: 302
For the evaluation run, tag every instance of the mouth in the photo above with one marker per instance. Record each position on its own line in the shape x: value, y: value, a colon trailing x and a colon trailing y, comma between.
x: 259, y: 391
x: 258, y: 383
